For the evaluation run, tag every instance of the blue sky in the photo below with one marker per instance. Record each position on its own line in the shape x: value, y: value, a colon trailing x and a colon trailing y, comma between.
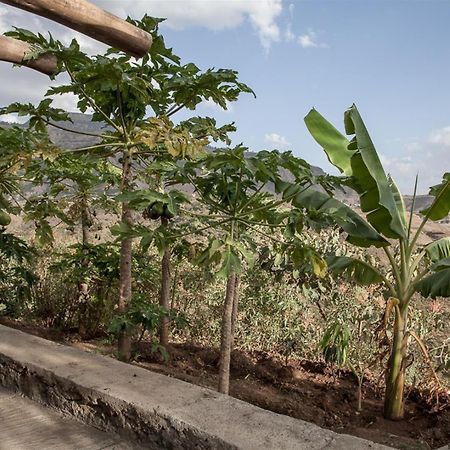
x: 392, y: 58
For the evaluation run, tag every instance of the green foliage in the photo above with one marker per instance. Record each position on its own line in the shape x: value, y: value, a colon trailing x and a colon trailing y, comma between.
x: 145, y: 317
x: 234, y: 187
x: 354, y: 269
x: 142, y: 314
x: 359, y: 232
x: 440, y: 207
x: 359, y: 161
x: 436, y: 284
x: 232, y: 223
x: 97, y: 263
x: 424, y: 270
x: 40, y: 116
x: 16, y: 279
x: 438, y: 250
x: 335, y: 344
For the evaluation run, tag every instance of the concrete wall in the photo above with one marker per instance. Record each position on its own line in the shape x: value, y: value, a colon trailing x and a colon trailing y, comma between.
x: 158, y: 411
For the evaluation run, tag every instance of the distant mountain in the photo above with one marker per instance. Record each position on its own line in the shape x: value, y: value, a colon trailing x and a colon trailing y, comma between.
x: 83, y: 122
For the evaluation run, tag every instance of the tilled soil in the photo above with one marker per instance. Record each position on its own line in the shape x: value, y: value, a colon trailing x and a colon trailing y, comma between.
x: 309, y: 391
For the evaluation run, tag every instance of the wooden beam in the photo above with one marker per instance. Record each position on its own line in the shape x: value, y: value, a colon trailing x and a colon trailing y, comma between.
x: 12, y: 50
x: 83, y: 16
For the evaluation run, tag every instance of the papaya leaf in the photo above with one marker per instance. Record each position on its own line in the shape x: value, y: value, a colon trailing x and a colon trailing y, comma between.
x: 435, y: 285
x: 44, y: 233
x: 248, y: 256
x: 231, y: 263
x: 141, y: 199
x: 216, y: 244
x: 354, y: 270
x: 318, y: 264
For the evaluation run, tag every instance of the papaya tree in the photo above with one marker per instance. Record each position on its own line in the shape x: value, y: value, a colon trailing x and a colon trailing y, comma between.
x: 161, y: 204
x: 238, y: 204
x: 162, y: 174
x: 413, y: 268
x: 122, y: 93
x: 161, y: 208
x: 75, y: 187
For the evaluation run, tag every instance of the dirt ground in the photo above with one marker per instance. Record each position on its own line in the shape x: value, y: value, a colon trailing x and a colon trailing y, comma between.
x: 299, y: 388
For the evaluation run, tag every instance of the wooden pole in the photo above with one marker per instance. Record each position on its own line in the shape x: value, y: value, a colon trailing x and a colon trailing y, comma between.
x: 82, y: 16
x: 13, y: 51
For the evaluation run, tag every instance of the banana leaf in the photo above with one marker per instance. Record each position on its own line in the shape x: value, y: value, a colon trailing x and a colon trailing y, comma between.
x: 359, y: 232
x: 435, y: 285
x: 353, y: 269
x: 441, y: 264
x: 358, y: 159
x: 331, y: 140
x: 438, y: 250
x: 440, y: 207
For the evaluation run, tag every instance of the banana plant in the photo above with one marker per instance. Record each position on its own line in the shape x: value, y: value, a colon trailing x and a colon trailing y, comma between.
x: 413, y: 268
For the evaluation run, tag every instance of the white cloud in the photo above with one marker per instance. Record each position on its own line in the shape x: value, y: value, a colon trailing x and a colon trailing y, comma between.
x: 309, y: 40
x: 426, y: 157
x: 291, y: 8
x: 68, y: 102
x: 12, y: 118
x: 278, y: 141
x: 440, y: 137
x: 3, y: 27
x: 404, y: 165
x: 214, y: 15
x: 209, y: 104
x: 289, y: 36
x: 413, y: 147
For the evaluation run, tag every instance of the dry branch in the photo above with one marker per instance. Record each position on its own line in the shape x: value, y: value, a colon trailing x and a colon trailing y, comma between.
x: 82, y: 16
x: 12, y: 50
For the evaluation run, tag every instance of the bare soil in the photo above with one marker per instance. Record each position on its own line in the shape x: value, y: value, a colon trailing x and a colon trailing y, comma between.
x: 302, y: 389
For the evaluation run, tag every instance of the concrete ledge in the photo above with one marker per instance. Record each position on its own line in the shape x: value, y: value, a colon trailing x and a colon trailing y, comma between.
x: 158, y: 411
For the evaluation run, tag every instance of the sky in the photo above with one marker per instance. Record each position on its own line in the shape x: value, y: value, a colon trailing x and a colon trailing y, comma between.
x: 389, y: 57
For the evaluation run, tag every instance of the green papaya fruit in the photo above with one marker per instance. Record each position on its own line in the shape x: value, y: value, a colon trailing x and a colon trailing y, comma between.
x: 5, y: 219
x: 166, y: 213
x: 151, y: 212
x: 158, y: 209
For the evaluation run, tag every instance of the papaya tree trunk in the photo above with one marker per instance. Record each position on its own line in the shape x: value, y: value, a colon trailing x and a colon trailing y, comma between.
x: 83, y: 285
x: 164, y: 295
x: 235, y: 309
x: 124, y: 340
x: 395, y: 380
x: 226, y: 336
